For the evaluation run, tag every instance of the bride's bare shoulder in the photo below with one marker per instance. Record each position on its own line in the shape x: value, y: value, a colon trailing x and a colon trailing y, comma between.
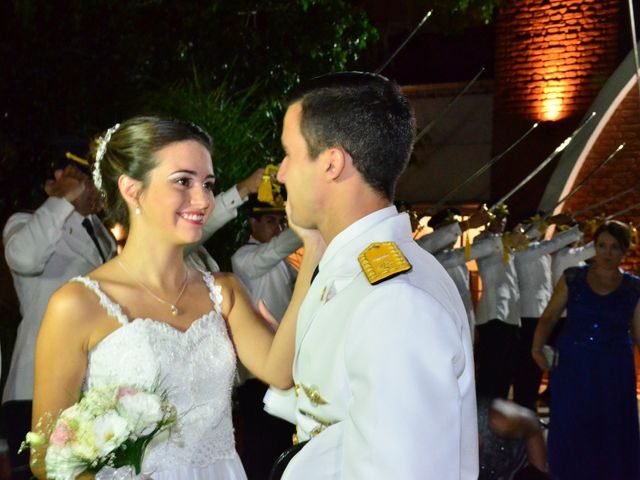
x: 78, y: 301
x: 73, y: 307
x: 72, y: 296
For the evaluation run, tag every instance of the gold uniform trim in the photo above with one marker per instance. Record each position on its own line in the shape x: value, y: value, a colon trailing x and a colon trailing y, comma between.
x: 381, y: 261
x: 313, y: 394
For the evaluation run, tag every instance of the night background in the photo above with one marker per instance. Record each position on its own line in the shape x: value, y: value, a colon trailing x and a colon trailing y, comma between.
x: 71, y: 69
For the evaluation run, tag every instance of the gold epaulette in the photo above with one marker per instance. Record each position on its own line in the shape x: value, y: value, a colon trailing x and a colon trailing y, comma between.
x: 382, y: 261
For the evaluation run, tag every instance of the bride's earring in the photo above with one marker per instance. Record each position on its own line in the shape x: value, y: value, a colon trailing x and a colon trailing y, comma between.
x: 138, y: 211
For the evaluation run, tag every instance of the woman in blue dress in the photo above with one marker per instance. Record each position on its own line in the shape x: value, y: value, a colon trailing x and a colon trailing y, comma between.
x: 594, y: 431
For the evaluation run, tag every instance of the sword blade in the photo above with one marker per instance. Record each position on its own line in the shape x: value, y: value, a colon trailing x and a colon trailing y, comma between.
x: 589, y: 176
x: 444, y: 111
x: 415, y: 30
x: 620, y: 212
x: 483, y: 168
x: 607, y: 200
x: 545, y: 162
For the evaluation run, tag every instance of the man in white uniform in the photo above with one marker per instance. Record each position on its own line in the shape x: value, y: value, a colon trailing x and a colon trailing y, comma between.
x: 262, y: 266
x: 383, y: 367
x: 567, y: 257
x: 454, y: 259
x: 498, y: 313
x: 43, y: 249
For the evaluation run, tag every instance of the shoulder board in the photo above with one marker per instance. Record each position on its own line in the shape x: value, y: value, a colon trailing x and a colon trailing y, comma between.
x: 382, y: 261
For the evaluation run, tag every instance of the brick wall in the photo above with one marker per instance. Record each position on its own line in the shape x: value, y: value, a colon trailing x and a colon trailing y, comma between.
x: 552, y: 55
x: 621, y: 173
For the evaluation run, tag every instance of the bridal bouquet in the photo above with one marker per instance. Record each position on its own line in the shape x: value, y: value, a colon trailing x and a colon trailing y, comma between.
x: 110, y: 427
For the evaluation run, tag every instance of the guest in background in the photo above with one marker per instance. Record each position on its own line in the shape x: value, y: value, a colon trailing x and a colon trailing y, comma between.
x: 512, y: 445
x: 44, y: 249
x: 593, y: 430
x: 263, y: 267
x: 498, y: 312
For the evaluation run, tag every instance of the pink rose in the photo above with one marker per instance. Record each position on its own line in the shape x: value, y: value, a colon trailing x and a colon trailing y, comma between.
x: 125, y: 391
x: 61, y: 435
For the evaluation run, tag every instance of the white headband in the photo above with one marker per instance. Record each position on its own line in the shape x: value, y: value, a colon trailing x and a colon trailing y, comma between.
x: 102, y: 148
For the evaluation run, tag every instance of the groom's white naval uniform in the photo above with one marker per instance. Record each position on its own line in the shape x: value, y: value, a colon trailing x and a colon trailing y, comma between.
x: 384, y: 382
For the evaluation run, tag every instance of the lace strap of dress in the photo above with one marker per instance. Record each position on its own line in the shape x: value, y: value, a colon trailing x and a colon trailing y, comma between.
x: 215, y: 291
x: 112, y: 308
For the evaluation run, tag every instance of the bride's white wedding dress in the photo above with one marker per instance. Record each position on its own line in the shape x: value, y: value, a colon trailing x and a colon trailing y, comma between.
x: 196, y: 366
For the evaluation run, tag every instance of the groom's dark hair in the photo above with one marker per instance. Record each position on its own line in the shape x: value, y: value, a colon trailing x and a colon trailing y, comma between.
x: 366, y: 115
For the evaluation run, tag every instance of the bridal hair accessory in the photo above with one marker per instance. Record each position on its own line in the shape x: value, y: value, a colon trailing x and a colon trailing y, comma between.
x: 172, y: 306
x: 102, y: 148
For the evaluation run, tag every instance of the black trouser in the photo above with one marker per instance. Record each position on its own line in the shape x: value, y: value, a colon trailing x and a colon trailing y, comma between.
x: 263, y: 436
x: 527, y: 375
x: 495, y: 355
x: 15, y: 419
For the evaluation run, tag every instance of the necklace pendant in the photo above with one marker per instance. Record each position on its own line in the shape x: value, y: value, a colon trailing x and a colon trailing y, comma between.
x: 174, y: 310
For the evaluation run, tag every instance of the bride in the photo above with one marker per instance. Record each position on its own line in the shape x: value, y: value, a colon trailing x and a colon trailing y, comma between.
x: 146, y: 315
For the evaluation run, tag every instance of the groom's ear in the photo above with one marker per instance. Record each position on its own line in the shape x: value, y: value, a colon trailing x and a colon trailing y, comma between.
x: 334, y: 161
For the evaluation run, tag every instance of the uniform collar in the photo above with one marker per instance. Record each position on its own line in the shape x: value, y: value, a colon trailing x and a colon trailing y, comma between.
x: 253, y: 241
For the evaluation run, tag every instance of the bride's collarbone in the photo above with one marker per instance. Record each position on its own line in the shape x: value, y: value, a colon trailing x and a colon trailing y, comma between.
x: 136, y: 303
x: 179, y: 315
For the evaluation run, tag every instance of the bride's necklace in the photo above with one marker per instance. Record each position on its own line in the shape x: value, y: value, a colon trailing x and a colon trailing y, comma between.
x: 172, y: 306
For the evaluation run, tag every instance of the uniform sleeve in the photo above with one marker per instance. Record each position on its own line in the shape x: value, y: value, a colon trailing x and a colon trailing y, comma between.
x: 259, y: 259
x: 403, y: 355
x: 440, y: 238
x: 583, y: 253
x: 484, y: 247
x: 30, y: 238
x: 534, y: 230
x: 558, y: 241
x: 226, y: 209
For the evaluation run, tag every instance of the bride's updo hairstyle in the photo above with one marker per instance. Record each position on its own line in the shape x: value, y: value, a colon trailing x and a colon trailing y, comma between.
x: 128, y: 149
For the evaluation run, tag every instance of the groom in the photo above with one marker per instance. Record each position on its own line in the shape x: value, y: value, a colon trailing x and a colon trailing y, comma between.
x: 383, y: 367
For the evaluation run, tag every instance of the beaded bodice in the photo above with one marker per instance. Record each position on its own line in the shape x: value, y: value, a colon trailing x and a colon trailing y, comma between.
x: 197, y: 368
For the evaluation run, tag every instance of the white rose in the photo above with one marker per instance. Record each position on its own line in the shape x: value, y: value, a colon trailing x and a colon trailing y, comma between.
x: 110, y: 430
x: 143, y: 412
